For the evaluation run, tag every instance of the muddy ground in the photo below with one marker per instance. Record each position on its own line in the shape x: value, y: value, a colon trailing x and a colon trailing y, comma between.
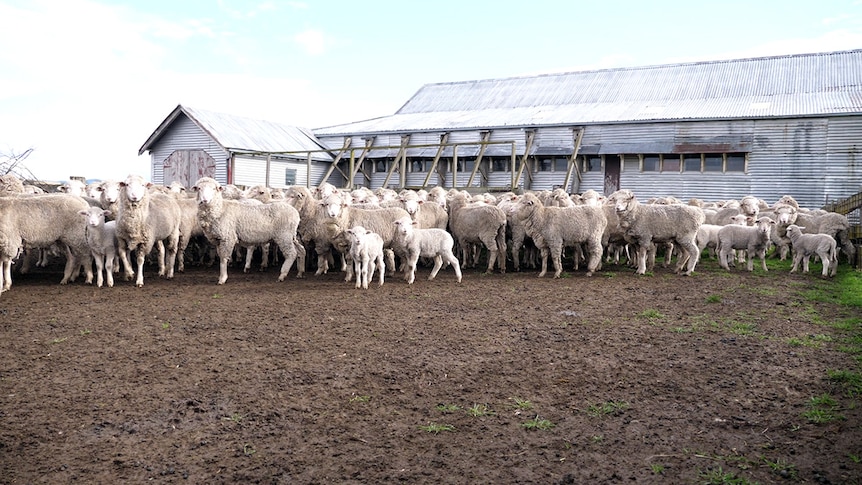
x: 505, y: 378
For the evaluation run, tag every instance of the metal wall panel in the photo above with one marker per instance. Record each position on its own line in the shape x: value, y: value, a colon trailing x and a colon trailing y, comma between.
x: 183, y: 134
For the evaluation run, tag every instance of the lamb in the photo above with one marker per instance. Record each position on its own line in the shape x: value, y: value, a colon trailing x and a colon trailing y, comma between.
x: 144, y: 220
x: 478, y: 223
x: 227, y: 223
x: 366, y: 251
x: 102, y: 239
x: 554, y: 227
x: 804, y: 245
x: 414, y: 242
x: 342, y: 216
x: 426, y: 214
x: 755, y: 239
x: 646, y: 224
x: 109, y: 196
x: 40, y: 221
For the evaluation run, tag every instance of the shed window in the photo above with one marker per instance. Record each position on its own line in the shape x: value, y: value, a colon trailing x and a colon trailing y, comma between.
x: 380, y: 166
x: 670, y: 163
x: 545, y: 165
x: 561, y: 164
x: 290, y: 176
x: 735, y: 162
x: 500, y: 164
x: 713, y: 162
x: 651, y: 163
x: 691, y: 163
x: 592, y: 163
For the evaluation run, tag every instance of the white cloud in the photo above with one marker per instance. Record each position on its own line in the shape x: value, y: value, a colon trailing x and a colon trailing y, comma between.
x: 313, y: 41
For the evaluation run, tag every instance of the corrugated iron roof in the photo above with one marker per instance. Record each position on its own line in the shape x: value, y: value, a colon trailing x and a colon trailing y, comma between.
x: 779, y: 86
x: 237, y: 133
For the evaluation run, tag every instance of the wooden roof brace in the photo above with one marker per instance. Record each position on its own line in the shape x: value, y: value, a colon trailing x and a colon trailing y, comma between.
x: 347, y: 141
x: 573, y: 163
x: 444, y: 139
x: 402, y: 155
x: 531, y: 136
x: 486, y: 136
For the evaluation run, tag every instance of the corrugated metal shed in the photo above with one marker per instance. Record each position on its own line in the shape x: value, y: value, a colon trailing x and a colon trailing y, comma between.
x: 240, y: 134
x: 801, y: 85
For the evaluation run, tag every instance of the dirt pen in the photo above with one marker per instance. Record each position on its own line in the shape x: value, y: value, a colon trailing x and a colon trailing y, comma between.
x: 505, y: 378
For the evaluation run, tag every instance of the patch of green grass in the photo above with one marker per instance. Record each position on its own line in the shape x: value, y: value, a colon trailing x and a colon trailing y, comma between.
x: 855, y: 458
x: 59, y: 340
x: 217, y: 296
x: 813, y: 341
x: 822, y: 409
x: 166, y: 325
x: 713, y: 299
x: 651, y: 314
x: 521, y: 404
x: 447, y: 408
x: 849, y: 380
x: 479, y: 410
x: 607, y: 408
x: 248, y: 450
x: 743, y: 328
x: 437, y: 428
x: 717, y: 476
x: 537, y: 424
x: 782, y: 468
x: 235, y: 418
x: 360, y: 398
x: 657, y: 469
x: 86, y: 332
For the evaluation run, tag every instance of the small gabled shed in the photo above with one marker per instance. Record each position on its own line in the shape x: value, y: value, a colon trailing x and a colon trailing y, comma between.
x: 192, y: 143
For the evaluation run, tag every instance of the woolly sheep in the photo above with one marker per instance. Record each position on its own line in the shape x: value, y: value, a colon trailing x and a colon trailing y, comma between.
x: 227, y: 223
x: 366, y: 251
x: 554, y: 227
x: 312, y: 229
x: 10, y: 185
x: 804, y: 245
x: 342, y: 216
x: 754, y: 239
x: 73, y: 187
x: 144, y: 219
x: 102, y: 239
x: 426, y: 214
x: 413, y: 242
x: 478, y: 223
x: 645, y: 225
x: 38, y: 222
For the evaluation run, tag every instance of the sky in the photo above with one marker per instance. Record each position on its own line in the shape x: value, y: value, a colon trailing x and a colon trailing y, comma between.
x: 84, y: 83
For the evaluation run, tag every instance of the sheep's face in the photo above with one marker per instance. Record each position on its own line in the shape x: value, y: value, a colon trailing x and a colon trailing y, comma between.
x: 403, y: 226
x: 786, y: 214
x: 136, y: 189
x: 207, y: 192
x: 110, y: 191
x: 94, y: 216
x: 622, y: 201
x: 764, y: 225
x: 793, y: 230
x: 333, y: 207
x: 411, y: 205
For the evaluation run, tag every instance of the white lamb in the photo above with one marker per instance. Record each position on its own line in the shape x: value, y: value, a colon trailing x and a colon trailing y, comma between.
x: 366, y: 251
x: 102, y: 238
x: 413, y: 242
x: 754, y: 239
x: 804, y: 245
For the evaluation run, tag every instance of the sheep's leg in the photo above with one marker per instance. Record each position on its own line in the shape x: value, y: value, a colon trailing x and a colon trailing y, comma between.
x: 557, y: 257
x: 594, y: 251
x: 363, y: 275
x: 289, y: 251
x: 357, y: 268
x: 300, y: 258
x: 825, y: 259
x: 381, y: 269
x: 390, y: 260
x: 170, y: 262
x: 264, y: 256
x: 322, y: 262
x: 517, y: 244
x: 453, y: 261
x: 100, y: 266
x: 644, y: 251
x: 805, y: 260
x: 438, y: 263
x: 5, y: 274
x: 500, y: 255
x: 544, y: 257
x: 249, y: 254
x: 160, y: 255
x: 109, y: 269
x: 141, y: 256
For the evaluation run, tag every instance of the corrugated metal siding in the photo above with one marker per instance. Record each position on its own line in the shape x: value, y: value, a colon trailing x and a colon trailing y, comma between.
x: 844, y: 157
x: 183, y: 134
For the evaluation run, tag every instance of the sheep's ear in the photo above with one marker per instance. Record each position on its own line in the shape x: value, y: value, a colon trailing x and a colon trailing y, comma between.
x: 801, y: 228
x: 106, y: 213
x: 414, y: 223
x: 83, y: 212
x: 220, y: 188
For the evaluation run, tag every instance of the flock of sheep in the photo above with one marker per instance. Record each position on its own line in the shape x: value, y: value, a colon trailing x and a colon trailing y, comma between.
x: 107, y: 222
